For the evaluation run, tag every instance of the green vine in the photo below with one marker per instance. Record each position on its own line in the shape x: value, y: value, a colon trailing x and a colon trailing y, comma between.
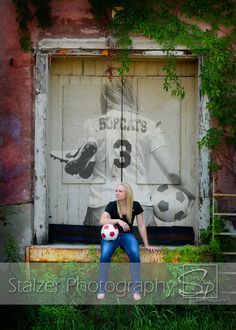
x: 26, y: 11
x: 168, y: 22
x: 188, y: 254
x: 219, y: 244
x: 180, y: 22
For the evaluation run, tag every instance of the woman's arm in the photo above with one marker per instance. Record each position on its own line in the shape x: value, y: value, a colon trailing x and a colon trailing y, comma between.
x: 143, y: 232
x: 106, y: 219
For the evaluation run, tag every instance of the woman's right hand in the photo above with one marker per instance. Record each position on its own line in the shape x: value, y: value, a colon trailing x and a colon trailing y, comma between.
x: 124, y: 225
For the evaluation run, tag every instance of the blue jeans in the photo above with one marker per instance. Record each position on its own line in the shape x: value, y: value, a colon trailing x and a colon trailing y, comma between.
x: 130, y: 244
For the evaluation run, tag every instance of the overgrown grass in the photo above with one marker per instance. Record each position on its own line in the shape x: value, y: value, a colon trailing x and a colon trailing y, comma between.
x: 71, y: 317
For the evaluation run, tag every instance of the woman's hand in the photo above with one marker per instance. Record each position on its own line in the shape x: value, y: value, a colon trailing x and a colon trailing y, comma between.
x: 150, y: 248
x: 124, y: 225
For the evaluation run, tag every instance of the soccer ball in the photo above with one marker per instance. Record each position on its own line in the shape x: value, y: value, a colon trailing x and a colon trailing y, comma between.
x: 170, y: 203
x: 109, y: 232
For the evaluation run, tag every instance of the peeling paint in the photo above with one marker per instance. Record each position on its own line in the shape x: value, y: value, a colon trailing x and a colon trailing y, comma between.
x: 204, y: 158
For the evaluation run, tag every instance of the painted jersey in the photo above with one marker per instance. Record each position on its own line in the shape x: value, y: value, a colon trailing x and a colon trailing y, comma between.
x: 124, y: 144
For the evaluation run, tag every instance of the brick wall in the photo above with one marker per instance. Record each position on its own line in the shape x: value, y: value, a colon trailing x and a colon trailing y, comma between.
x: 70, y: 19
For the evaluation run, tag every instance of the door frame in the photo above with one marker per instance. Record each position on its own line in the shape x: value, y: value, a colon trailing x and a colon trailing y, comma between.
x: 141, y: 47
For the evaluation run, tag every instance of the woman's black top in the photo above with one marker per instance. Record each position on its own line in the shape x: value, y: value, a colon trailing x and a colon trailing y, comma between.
x: 111, y: 208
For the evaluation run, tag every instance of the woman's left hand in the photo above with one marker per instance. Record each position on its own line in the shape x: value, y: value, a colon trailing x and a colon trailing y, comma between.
x: 150, y: 248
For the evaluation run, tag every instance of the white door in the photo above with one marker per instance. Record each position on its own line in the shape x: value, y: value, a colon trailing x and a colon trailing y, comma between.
x: 128, y: 129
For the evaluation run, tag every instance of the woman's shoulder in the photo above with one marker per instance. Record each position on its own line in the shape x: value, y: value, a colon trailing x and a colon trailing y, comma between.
x: 111, y: 204
x: 136, y: 204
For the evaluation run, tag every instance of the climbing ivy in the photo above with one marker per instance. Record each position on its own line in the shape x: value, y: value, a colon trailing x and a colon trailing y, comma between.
x: 26, y: 11
x: 168, y: 22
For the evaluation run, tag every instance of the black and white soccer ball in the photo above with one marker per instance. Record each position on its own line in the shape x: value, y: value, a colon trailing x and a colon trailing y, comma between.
x: 170, y: 203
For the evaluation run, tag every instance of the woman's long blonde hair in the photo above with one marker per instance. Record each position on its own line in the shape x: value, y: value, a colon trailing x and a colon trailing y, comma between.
x: 129, y: 201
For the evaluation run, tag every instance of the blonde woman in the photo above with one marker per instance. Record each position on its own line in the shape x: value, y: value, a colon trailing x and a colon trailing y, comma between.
x: 122, y: 213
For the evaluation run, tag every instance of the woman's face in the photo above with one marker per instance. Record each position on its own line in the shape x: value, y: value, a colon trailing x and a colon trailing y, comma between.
x: 120, y: 193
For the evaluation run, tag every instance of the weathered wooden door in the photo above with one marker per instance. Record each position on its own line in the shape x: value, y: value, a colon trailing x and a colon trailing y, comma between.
x: 122, y: 124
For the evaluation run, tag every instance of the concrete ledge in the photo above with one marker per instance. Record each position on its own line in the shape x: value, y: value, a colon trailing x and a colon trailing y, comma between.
x: 83, y: 253
x: 139, y: 43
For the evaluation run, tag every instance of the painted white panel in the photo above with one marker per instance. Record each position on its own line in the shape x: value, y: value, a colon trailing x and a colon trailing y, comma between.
x: 67, y: 202
x: 79, y: 103
x: 159, y: 106
x: 58, y: 191
x: 77, y: 115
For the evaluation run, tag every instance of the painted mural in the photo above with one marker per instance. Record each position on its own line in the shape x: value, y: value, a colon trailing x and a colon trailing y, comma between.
x: 120, y: 138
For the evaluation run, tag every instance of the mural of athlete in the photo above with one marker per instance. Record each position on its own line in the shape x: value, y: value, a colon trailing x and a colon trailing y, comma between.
x: 116, y: 146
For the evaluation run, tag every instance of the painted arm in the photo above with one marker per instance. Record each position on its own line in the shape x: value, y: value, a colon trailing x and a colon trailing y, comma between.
x: 163, y: 159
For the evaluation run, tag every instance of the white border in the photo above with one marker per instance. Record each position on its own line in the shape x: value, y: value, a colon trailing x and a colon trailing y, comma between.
x: 93, y: 47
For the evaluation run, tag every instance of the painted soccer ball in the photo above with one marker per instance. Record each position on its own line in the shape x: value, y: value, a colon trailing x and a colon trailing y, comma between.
x: 169, y: 203
x: 109, y: 232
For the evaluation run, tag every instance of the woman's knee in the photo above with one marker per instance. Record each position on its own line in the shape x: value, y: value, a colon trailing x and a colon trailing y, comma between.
x: 133, y: 253
x: 106, y: 253
x: 131, y: 247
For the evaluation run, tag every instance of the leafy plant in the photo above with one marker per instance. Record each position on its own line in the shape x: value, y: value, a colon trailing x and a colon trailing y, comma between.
x: 187, y: 253
x: 206, y: 235
x: 11, y: 250
x: 120, y: 317
x: 27, y: 10
x: 217, y: 243
x: 118, y: 255
x: 169, y: 24
x: 92, y: 253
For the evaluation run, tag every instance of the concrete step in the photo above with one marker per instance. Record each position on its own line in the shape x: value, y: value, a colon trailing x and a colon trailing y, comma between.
x: 84, y: 253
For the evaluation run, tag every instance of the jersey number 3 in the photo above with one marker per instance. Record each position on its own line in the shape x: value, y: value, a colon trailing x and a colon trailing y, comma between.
x: 125, y: 153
